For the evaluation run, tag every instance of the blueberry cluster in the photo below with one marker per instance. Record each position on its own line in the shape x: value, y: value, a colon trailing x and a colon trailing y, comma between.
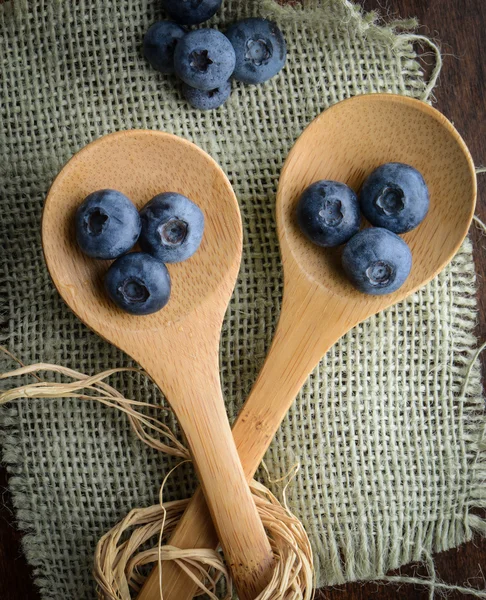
x: 394, y: 199
x: 252, y: 51
x: 168, y: 229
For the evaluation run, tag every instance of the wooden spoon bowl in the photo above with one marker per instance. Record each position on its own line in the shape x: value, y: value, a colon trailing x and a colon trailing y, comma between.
x: 142, y: 164
x: 179, y: 345
x: 346, y: 143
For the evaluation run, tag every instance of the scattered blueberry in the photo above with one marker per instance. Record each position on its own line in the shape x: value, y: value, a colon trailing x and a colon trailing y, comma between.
x: 159, y: 45
x: 191, y: 12
x: 172, y: 227
x: 395, y: 196
x: 377, y: 261
x: 107, y: 224
x: 260, y: 49
x: 204, y: 59
x: 328, y: 213
x: 206, y: 99
x: 138, y: 283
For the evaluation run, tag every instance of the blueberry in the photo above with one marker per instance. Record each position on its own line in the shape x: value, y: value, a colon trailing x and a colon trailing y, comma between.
x: 138, y: 283
x: 107, y: 224
x: 191, y: 12
x: 159, y: 45
x: 260, y: 49
x: 395, y: 196
x: 377, y: 261
x: 172, y: 227
x: 328, y: 213
x: 206, y: 99
x: 204, y: 59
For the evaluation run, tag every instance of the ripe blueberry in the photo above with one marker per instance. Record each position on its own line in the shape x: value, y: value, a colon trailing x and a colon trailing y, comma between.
x: 260, y: 49
x: 172, y: 227
x: 138, y: 283
x: 204, y: 59
x: 191, y: 12
x: 328, y: 213
x: 107, y: 224
x: 377, y: 261
x: 395, y: 196
x: 159, y: 45
x: 206, y: 99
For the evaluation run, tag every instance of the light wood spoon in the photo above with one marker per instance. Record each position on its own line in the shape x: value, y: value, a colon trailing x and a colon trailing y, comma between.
x: 345, y: 143
x: 178, y: 346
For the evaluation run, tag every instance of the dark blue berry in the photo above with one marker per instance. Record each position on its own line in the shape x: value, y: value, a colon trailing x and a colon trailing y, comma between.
x: 204, y: 59
x: 138, y: 283
x: 260, y: 49
x: 172, y: 227
x: 206, y: 99
x: 159, y: 45
x: 328, y: 213
x: 191, y: 12
x: 107, y: 224
x: 377, y: 261
x: 395, y: 196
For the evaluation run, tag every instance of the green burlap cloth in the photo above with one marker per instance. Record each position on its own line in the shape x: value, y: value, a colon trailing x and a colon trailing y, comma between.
x: 388, y: 446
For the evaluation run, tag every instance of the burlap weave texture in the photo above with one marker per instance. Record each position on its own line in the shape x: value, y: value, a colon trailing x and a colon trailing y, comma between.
x: 388, y: 448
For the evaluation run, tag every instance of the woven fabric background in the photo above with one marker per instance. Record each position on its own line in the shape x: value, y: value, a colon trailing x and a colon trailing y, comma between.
x: 388, y: 446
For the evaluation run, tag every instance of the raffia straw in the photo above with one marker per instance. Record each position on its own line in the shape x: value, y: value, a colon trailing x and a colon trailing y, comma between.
x: 121, y: 553
x: 94, y: 388
x: 118, y: 558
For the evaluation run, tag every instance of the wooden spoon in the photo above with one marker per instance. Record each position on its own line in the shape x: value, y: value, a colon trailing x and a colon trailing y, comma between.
x: 178, y: 346
x: 345, y: 143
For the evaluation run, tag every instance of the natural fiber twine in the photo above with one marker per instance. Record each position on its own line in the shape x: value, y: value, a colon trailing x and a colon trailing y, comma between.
x: 391, y: 453
x: 116, y: 565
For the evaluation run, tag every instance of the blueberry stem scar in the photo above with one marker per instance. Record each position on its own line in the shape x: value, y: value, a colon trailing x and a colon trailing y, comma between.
x: 258, y: 51
x: 96, y: 221
x: 134, y: 291
x: 173, y: 232
x: 332, y: 213
x: 390, y: 201
x: 380, y: 273
x: 200, y: 60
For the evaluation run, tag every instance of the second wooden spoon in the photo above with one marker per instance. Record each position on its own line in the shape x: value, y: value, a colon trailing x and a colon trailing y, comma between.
x: 345, y: 143
x: 179, y: 345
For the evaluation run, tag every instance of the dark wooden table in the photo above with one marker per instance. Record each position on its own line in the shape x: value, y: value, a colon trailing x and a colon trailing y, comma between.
x: 461, y: 27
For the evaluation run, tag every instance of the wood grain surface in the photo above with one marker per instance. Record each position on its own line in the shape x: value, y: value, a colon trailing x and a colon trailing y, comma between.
x: 461, y: 27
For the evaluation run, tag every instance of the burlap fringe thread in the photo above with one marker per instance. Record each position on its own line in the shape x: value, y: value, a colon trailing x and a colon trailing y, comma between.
x: 120, y: 555
x: 399, y: 32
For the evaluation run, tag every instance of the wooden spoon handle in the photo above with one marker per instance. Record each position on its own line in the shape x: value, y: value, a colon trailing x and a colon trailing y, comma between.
x: 299, y: 343
x: 192, y: 384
